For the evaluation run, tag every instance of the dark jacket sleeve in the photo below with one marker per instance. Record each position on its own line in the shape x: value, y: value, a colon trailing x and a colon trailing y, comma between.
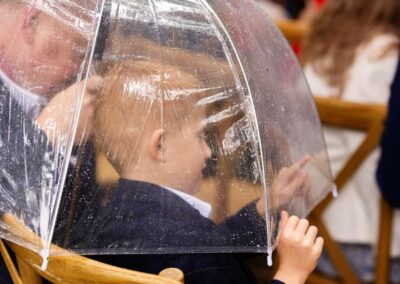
x: 246, y: 228
x: 27, y: 162
x: 31, y: 168
x: 388, y: 166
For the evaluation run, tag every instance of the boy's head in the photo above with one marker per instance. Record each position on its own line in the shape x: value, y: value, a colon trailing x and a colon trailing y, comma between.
x: 149, y: 122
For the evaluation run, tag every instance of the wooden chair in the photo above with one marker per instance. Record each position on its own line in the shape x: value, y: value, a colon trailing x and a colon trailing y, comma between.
x: 358, y: 119
x: 382, y: 261
x: 370, y: 119
x: 67, y: 267
x: 293, y: 30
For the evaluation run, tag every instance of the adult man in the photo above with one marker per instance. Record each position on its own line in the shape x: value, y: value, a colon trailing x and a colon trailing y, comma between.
x: 42, y: 52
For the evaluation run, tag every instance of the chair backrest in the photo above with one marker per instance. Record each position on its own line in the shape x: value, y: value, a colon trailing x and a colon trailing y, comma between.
x: 293, y: 30
x: 67, y: 267
x: 365, y: 117
x: 368, y: 118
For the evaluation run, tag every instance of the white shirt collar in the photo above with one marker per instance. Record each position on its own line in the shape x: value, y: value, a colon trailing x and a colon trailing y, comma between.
x: 30, y: 102
x: 203, y: 207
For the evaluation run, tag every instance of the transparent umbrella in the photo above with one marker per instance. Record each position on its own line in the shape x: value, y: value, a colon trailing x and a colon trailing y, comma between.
x: 160, y: 126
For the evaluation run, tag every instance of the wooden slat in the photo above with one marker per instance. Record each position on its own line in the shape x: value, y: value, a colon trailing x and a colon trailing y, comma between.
x: 78, y: 269
x: 292, y: 30
x: 28, y: 274
x: 350, y: 115
x: 9, y: 264
x: 354, y: 162
x: 335, y: 253
x: 382, y: 263
x: 67, y: 267
x: 172, y: 273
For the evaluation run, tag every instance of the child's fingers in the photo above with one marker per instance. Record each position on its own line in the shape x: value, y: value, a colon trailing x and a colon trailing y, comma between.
x: 302, y: 227
x: 88, y: 98
x: 302, y: 181
x: 319, y: 244
x: 303, y: 161
x: 310, y: 236
x: 93, y: 84
x: 295, y: 185
x: 289, y: 173
x: 285, y: 174
x: 306, y: 187
x: 291, y: 223
x: 284, y: 219
x: 282, y: 223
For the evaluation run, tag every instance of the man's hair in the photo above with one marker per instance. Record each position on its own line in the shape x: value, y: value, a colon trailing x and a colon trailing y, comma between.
x: 137, y: 98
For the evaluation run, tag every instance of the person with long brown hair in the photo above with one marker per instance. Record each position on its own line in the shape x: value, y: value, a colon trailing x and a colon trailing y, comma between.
x: 351, y: 53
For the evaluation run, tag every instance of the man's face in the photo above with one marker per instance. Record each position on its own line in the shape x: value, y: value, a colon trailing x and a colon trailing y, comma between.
x: 186, y: 154
x: 57, y: 55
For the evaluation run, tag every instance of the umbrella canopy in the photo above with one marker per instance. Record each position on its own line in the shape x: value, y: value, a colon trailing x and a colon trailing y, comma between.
x: 199, y: 108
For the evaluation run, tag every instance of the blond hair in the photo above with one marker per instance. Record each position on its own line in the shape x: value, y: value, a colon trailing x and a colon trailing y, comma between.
x: 137, y: 98
x: 340, y: 28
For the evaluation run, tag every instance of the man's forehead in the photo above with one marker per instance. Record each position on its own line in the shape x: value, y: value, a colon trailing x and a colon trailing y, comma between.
x: 70, y: 16
x: 68, y: 34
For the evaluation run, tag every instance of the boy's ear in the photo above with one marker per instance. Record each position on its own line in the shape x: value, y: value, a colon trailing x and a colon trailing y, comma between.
x: 31, y: 20
x: 156, y: 145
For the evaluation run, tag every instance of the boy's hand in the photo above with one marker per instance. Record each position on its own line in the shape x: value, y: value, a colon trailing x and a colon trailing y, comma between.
x: 55, y: 119
x: 290, y: 182
x: 299, y: 249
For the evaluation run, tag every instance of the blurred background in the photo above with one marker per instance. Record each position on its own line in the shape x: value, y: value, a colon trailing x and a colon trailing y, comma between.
x: 349, y: 52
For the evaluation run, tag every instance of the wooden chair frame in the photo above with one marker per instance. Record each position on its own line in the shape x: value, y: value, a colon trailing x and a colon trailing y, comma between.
x: 370, y: 119
x: 294, y: 31
x: 67, y: 267
x: 382, y: 261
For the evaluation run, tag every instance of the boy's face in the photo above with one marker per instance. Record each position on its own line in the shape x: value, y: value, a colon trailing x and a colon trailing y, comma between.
x: 186, y: 153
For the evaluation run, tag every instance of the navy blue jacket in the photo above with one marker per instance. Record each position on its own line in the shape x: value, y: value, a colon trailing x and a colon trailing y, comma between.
x: 25, y: 154
x: 15, y: 173
x: 145, y: 216
x: 389, y: 164
x: 22, y: 159
x: 26, y: 158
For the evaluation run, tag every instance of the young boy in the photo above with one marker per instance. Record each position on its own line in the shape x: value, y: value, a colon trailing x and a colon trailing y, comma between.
x: 149, y: 120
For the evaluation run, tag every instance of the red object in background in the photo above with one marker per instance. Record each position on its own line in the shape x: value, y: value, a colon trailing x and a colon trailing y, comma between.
x: 319, y: 3
x: 296, y: 48
x: 296, y: 45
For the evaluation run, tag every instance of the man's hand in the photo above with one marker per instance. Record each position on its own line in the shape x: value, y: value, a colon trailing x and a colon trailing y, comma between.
x: 56, y: 118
